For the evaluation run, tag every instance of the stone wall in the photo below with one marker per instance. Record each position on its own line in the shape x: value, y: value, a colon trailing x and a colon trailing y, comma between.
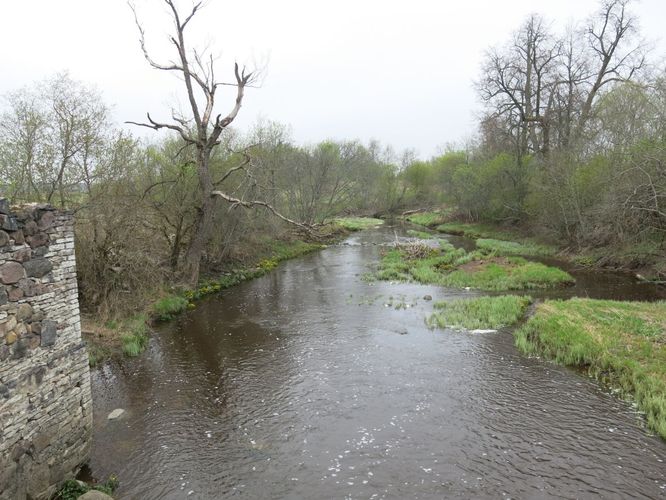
x: 45, y: 400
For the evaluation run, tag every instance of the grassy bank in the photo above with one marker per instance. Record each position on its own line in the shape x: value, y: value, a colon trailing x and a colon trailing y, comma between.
x: 497, y: 240
x: 429, y: 219
x: 129, y: 336
x: 420, y: 234
x: 622, y: 344
x: 475, y: 230
x: 479, y: 313
x: 509, y: 273
x: 646, y: 258
x: 454, y: 267
x: 357, y: 223
x: 502, y: 247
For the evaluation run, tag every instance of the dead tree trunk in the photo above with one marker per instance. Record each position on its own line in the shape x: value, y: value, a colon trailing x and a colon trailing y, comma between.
x: 201, y: 130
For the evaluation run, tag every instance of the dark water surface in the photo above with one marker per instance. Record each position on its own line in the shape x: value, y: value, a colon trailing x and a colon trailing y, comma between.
x: 305, y: 383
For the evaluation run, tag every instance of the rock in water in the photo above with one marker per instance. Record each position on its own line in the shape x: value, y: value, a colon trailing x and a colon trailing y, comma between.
x: 117, y: 413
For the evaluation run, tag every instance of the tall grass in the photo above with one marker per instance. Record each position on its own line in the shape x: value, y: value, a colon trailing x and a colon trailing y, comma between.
x: 480, y: 313
x: 428, y: 219
x: 135, y: 340
x: 473, y: 230
x: 502, y: 247
x: 519, y: 274
x: 170, y: 306
x: 357, y: 223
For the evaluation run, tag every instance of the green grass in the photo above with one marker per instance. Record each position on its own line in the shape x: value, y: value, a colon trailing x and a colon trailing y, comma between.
x: 357, y: 223
x: 97, y: 354
x: 480, y: 313
x: 474, y: 230
x: 447, y: 267
x: 420, y: 234
x: 428, y: 219
x: 170, y: 306
x: 501, y: 247
x: 517, y: 274
x: 135, y: 340
x: 280, y: 250
x: 622, y: 344
x: 72, y: 489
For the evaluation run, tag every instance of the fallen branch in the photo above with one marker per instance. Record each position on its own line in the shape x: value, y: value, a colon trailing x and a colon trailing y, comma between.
x: 257, y: 203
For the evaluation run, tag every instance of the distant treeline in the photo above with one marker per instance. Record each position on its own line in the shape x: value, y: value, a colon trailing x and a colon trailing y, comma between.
x: 571, y: 143
x: 572, y: 140
x: 136, y: 204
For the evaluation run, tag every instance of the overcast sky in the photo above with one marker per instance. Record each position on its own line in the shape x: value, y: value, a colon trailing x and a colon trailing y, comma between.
x: 397, y: 71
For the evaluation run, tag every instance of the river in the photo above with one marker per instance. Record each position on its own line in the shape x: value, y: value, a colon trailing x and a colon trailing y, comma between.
x: 312, y: 383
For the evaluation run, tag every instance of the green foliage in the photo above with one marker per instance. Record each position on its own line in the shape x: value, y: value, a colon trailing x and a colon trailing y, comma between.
x: 584, y: 260
x: 502, y: 247
x: 480, y: 313
x: 112, y: 324
x: 357, y: 223
x: 72, y: 489
x: 170, y: 306
x: 268, y: 264
x: 419, y: 178
x: 622, y: 344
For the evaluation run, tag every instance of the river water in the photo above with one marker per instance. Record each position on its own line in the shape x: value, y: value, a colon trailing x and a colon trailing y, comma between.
x: 312, y: 383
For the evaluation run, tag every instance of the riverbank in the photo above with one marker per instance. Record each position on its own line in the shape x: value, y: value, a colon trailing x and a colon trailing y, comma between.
x: 646, y: 262
x: 621, y: 344
x: 482, y: 269
x: 129, y: 336
x: 237, y: 376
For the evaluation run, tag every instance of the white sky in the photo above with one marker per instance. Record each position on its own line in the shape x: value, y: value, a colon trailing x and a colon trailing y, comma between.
x: 397, y: 71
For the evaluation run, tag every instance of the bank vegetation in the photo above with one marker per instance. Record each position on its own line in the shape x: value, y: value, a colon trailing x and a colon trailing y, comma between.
x: 571, y: 148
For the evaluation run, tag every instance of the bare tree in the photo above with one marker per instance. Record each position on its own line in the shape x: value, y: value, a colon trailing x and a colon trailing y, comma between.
x: 518, y: 83
x: 617, y: 56
x: 204, y: 136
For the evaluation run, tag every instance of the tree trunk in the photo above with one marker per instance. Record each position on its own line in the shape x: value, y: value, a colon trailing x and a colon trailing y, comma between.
x: 204, y: 225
